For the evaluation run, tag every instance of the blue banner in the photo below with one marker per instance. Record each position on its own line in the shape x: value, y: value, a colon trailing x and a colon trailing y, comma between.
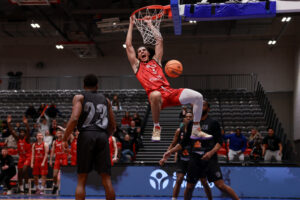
x: 280, y: 182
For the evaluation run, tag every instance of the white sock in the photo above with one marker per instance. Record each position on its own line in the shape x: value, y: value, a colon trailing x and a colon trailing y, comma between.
x: 195, y: 126
x: 173, y: 198
x: 156, y: 124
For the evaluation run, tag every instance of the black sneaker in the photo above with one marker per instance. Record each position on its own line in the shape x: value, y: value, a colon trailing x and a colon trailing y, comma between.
x: 54, y: 191
x: 26, y: 190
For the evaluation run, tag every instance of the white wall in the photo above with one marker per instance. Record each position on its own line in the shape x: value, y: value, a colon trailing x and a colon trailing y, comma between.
x: 297, y: 98
x: 275, y: 68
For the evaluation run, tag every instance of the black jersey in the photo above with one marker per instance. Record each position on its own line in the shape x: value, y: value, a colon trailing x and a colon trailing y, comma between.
x: 183, y: 154
x: 200, y: 147
x: 94, y: 114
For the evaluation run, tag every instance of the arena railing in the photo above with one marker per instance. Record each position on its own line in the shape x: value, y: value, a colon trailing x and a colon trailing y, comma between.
x: 205, y: 82
x: 273, y: 122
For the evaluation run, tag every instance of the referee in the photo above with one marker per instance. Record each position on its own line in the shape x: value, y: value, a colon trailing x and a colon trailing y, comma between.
x: 203, y: 158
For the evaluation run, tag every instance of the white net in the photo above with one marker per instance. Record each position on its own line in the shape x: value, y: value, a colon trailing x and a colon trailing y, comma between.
x: 148, y: 22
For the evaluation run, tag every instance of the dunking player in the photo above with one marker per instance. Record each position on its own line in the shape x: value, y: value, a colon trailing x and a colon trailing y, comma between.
x: 93, y: 115
x: 203, y: 158
x: 24, y: 150
x: 61, y: 158
x: 183, y: 156
x: 150, y: 74
x: 39, y: 162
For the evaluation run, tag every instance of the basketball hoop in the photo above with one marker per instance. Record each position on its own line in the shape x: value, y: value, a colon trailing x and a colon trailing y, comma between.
x: 147, y: 21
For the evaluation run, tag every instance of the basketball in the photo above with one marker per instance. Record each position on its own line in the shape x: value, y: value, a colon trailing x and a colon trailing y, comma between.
x: 173, y: 68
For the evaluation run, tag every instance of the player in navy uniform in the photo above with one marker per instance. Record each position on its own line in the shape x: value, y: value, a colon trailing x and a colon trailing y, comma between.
x: 93, y: 115
x: 183, y: 156
x: 203, y: 158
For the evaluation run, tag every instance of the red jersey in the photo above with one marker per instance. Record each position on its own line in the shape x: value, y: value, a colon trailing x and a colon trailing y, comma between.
x: 74, y: 147
x: 39, y: 151
x: 58, y: 149
x: 151, y: 76
x: 24, y: 148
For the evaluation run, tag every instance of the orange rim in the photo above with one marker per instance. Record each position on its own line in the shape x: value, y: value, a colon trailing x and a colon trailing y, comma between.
x: 157, y: 16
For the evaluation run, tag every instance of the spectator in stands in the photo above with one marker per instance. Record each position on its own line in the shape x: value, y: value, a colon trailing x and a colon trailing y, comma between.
x: 126, y: 120
x: 8, y: 169
x: 5, y: 132
x: 256, y: 153
x: 52, y: 111
x: 39, y: 162
x: 135, y: 135
x: 237, y: 145
x: 255, y: 137
x: 53, y: 127
x: 41, y: 109
x: 272, y: 146
x: 10, y: 142
x: 182, y: 113
x: 137, y: 119
x: 127, y: 149
x: 44, y: 123
x: 48, y: 139
x: 31, y: 112
x: 115, y: 103
x: 34, y: 130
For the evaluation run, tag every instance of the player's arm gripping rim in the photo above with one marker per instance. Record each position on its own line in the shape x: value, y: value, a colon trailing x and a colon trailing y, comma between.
x: 76, y: 111
x: 159, y: 47
x: 134, y: 62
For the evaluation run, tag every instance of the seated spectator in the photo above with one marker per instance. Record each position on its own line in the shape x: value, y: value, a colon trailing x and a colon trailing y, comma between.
x: 53, y: 127
x: 5, y: 132
x: 237, y: 145
x: 31, y: 112
x: 182, y: 113
x: 115, y: 103
x: 256, y: 153
x: 254, y: 138
x: 44, y: 123
x: 8, y: 169
x: 127, y: 149
x: 52, y: 111
x: 135, y: 135
x: 137, y: 119
x: 272, y: 146
x: 126, y: 120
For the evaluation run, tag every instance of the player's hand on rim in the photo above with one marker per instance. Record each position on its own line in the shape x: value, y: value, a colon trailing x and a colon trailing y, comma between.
x: 132, y: 19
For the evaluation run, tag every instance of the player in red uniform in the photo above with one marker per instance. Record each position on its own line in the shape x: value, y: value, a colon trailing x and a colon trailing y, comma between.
x: 73, y: 140
x: 39, y: 162
x: 150, y: 74
x: 61, y: 158
x: 24, y: 150
x: 113, y: 148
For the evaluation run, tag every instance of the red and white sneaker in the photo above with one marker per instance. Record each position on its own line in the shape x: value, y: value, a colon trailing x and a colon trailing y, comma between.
x: 156, y: 134
x: 197, y: 134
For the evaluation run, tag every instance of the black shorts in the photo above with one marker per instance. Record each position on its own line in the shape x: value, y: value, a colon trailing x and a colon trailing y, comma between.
x: 182, y: 166
x: 93, y: 152
x: 196, y: 169
x: 213, y: 171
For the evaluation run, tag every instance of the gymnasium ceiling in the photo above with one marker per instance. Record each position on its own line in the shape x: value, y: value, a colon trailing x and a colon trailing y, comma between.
x: 77, y: 20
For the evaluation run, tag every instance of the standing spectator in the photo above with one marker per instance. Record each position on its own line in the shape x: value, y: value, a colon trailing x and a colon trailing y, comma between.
x: 5, y: 132
x: 137, y: 119
x: 52, y: 111
x: 8, y: 169
x: 237, y: 145
x: 41, y: 109
x: 48, y: 139
x: 126, y: 120
x: 34, y: 130
x: 44, y: 123
x: 182, y: 113
x: 39, y: 162
x: 254, y: 138
x: 272, y: 146
x: 115, y: 103
x: 53, y: 127
x: 31, y: 112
